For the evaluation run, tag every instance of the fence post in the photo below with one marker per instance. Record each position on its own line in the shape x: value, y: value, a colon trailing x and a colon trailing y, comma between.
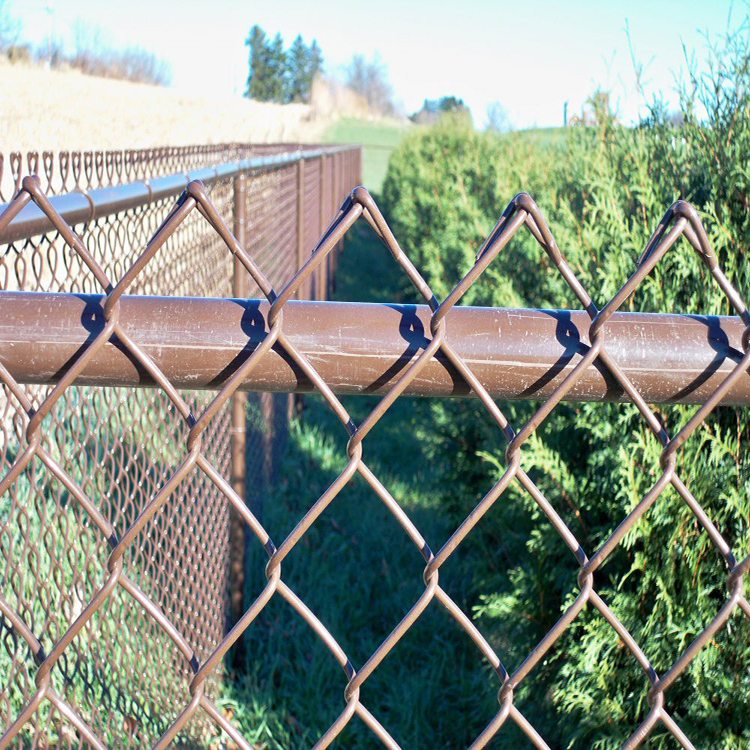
x: 324, y: 291
x: 335, y: 203
x: 239, y: 400
x: 300, y: 219
x: 294, y: 402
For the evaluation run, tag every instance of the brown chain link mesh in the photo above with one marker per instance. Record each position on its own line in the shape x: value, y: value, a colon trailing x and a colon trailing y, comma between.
x: 113, y: 576
x: 101, y: 455
x: 65, y: 171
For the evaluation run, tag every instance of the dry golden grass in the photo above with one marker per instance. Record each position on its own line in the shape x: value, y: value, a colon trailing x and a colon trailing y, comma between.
x: 54, y: 110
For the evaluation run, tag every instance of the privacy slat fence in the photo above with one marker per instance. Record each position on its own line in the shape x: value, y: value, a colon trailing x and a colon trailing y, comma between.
x: 101, y: 551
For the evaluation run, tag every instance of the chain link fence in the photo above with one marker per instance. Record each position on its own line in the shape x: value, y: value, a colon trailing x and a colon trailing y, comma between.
x: 116, y: 447
x: 66, y: 171
x: 117, y: 588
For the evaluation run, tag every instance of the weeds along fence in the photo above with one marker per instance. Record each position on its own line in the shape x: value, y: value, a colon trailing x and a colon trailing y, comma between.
x: 117, y: 446
x: 117, y: 500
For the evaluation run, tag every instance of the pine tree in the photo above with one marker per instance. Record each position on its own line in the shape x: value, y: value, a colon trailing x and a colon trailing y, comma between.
x: 297, y: 67
x: 314, y: 62
x: 302, y: 65
x: 259, y: 77
x: 277, y: 71
x: 277, y: 75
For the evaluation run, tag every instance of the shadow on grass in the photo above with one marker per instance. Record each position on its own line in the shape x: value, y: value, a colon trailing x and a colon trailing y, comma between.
x: 360, y: 574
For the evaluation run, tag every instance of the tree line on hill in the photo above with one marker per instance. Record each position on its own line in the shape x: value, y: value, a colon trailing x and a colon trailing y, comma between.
x: 90, y: 54
x: 278, y: 74
x: 284, y: 75
x: 433, y: 109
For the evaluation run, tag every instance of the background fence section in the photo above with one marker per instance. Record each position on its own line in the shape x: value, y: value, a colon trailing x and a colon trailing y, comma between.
x: 120, y: 445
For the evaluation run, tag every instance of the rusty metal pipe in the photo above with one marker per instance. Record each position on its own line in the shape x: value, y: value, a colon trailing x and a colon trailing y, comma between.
x: 362, y: 348
x: 239, y: 425
x: 78, y: 207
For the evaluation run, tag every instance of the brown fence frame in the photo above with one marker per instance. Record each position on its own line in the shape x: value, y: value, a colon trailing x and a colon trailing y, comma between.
x: 602, y: 331
x: 32, y: 225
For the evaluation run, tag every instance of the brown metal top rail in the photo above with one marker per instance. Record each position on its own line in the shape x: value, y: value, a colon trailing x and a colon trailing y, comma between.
x: 361, y: 348
x: 83, y: 206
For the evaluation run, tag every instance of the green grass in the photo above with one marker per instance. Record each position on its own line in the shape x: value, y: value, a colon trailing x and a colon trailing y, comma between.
x: 379, y: 139
x: 545, y: 136
x: 57, y: 554
x: 360, y: 574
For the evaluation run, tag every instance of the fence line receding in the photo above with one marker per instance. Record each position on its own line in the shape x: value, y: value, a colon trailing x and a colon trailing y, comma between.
x: 116, y: 447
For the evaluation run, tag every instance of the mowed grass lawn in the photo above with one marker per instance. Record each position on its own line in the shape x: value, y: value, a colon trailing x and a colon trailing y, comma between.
x: 379, y: 139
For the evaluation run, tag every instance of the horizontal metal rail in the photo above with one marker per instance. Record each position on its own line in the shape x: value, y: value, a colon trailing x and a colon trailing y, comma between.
x: 360, y: 348
x: 80, y: 207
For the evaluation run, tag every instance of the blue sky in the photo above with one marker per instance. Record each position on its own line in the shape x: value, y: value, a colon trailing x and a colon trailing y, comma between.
x: 530, y: 56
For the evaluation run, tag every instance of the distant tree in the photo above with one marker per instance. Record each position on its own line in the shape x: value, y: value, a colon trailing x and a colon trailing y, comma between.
x: 369, y: 80
x: 140, y: 65
x: 497, y: 118
x: 298, y: 85
x: 9, y: 28
x: 93, y: 56
x: 433, y: 109
x: 277, y: 71
x: 597, y: 111
x: 302, y: 64
x: 600, y: 106
x: 314, y: 60
x: 279, y: 75
x: 259, y: 76
x: 451, y: 104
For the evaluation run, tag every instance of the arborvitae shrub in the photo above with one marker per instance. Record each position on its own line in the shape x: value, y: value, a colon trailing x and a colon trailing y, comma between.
x: 603, y: 189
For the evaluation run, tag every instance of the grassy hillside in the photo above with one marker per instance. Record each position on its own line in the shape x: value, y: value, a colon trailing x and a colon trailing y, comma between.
x: 379, y: 140
x: 35, y: 113
x: 545, y: 136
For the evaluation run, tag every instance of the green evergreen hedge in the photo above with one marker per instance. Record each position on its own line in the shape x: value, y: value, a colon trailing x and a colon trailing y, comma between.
x: 603, y: 189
